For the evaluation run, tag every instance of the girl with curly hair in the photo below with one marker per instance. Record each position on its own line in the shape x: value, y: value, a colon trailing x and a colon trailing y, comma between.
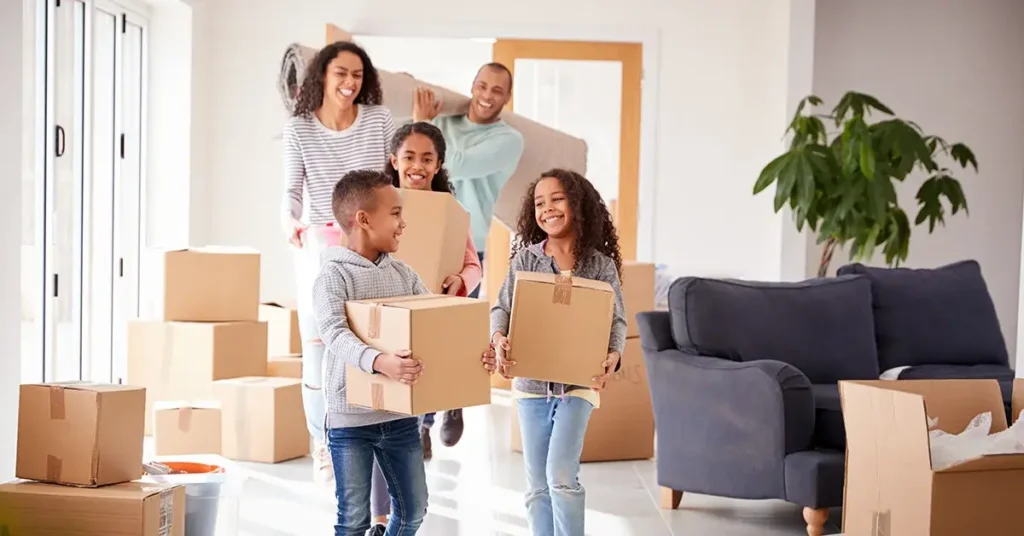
x: 564, y: 228
x: 338, y: 126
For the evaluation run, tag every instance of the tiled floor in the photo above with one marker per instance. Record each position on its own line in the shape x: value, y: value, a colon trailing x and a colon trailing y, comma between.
x: 476, y: 490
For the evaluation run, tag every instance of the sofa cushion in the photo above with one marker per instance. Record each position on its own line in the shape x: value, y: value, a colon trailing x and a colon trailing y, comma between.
x: 940, y: 316
x: 1004, y: 375
x: 823, y: 327
x: 829, y: 428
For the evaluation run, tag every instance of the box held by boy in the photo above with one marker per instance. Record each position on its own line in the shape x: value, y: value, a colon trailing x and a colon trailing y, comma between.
x: 262, y: 419
x: 204, y: 284
x: 447, y: 334
x: 560, y: 327
x: 637, y: 292
x: 435, y: 235
x: 285, y: 366
x: 282, y: 320
x: 181, y: 360
x: 80, y: 433
x: 186, y: 428
x: 891, y: 487
x: 128, y: 509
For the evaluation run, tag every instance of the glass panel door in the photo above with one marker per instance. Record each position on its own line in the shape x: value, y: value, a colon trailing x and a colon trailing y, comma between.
x: 33, y: 201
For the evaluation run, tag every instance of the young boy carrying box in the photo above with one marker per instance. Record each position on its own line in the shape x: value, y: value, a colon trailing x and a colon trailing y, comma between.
x: 369, y: 210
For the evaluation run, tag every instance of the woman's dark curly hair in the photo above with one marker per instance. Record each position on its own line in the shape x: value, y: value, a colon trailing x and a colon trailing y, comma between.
x: 440, y: 182
x: 591, y: 220
x: 311, y: 94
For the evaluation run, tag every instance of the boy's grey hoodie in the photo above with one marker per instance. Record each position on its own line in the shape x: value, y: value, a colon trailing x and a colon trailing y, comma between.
x: 347, y: 275
x: 533, y: 259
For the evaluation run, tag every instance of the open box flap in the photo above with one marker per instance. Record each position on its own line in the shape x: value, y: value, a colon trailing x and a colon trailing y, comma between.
x: 423, y: 301
x: 577, y: 282
x: 994, y: 462
x: 1017, y: 398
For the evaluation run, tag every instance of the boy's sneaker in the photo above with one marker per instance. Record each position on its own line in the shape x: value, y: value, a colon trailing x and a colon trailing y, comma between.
x: 377, y: 530
x: 323, y: 467
x: 451, y: 427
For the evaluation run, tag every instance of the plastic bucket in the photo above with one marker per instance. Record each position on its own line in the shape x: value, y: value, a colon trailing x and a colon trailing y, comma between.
x: 212, y: 495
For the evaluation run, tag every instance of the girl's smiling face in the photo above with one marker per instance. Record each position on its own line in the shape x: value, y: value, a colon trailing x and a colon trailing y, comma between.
x: 416, y: 161
x: 551, y: 208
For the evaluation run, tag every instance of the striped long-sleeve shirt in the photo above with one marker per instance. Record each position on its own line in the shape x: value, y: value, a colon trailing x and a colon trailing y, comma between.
x: 316, y: 157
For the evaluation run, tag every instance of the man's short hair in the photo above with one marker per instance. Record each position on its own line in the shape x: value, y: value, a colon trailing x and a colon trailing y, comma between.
x: 500, y: 67
x: 354, y: 192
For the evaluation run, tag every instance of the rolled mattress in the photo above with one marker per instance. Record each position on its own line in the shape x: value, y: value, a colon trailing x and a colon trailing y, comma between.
x: 543, y: 147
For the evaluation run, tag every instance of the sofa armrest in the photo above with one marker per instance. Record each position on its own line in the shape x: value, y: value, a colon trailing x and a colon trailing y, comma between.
x: 725, y: 427
x: 655, y: 329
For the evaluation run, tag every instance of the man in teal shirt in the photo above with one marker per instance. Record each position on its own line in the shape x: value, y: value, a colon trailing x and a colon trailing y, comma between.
x: 483, y: 152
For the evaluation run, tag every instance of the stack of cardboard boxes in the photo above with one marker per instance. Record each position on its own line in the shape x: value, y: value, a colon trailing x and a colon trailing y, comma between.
x: 284, y: 343
x: 80, y: 455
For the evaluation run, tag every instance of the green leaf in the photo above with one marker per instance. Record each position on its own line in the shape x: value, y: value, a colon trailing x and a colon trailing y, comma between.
x: 867, y: 161
x: 876, y: 104
x: 771, y: 172
x: 963, y: 155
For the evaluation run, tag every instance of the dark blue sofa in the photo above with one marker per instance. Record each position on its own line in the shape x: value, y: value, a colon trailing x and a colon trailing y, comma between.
x: 744, y: 375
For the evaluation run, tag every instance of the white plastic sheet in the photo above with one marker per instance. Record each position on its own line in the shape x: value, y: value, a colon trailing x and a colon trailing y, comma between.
x: 975, y: 441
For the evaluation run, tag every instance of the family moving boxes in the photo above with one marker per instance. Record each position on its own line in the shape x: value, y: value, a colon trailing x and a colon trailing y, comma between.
x: 434, y: 239
x: 448, y: 334
x: 262, y: 419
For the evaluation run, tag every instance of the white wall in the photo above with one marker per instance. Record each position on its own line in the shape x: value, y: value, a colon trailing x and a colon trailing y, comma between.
x: 721, y: 101
x: 956, y: 69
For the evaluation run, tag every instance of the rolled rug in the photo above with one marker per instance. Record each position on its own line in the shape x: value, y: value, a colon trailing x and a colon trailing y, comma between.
x: 543, y: 147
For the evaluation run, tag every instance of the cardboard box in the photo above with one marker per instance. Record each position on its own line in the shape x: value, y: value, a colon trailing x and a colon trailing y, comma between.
x: 129, y: 509
x: 560, y: 327
x: 434, y: 239
x: 448, y: 334
x: 181, y: 360
x: 207, y: 284
x: 80, y: 434
x: 623, y: 427
x: 183, y: 428
x: 891, y: 488
x: 282, y: 328
x: 497, y: 382
x: 262, y: 419
x: 285, y: 366
x: 637, y: 292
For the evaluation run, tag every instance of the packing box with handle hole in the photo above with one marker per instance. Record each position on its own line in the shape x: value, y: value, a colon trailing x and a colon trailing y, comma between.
x: 560, y: 327
x: 129, y: 509
x: 79, y: 433
x: 204, y: 284
x: 186, y: 428
x: 435, y: 235
x: 262, y: 419
x: 891, y: 488
x: 448, y: 334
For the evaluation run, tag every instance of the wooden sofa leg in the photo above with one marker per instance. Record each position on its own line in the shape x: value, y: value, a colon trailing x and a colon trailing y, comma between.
x: 669, y: 498
x: 815, y: 519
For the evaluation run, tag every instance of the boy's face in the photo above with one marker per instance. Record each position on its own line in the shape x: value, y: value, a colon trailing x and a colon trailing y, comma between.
x: 383, y: 223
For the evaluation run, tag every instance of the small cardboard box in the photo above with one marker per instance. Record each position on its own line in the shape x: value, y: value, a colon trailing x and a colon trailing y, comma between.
x: 448, y: 334
x: 129, y: 509
x: 560, y: 327
x: 183, y: 428
x: 282, y: 328
x: 285, y: 366
x: 207, y: 284
x: 434, y: 239
x: 623, y: 427
x: 637, y: 292
x: 262, y: 419
x: 181, y: 360
x: 80, y: 434
x: 891, y: 488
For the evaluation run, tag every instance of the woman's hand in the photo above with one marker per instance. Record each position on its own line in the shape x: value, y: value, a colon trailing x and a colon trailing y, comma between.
x: 501, y: 347
x: 452, y: 285
x: 600, y: 382
x: 425, y: 106
x: 489, y: 359
x: 294, y: 229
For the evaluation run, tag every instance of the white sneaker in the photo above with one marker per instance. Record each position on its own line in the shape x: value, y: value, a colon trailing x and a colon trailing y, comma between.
x: 323, y: 468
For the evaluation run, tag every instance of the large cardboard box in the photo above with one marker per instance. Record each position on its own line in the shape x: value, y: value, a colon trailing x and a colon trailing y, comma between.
x: 448, y: 334
x: 186, y: 428
x: 623, y: 427
x: 637, y: 292
x: 181, y: 360
x: 80, y: 434
x: 207, y: 284
x: 282, y: 328
x: 560, y: 327
x: 129, y: 509
x: 891, y: 488
x: 435, y: 235
x: 262, y: 419
x: 285, y: 366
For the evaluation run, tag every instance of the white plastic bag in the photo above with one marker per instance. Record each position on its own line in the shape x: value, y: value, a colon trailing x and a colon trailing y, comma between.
x: 975, y: 441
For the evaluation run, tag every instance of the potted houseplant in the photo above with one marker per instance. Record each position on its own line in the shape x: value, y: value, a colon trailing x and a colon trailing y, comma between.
x: 840, y: 184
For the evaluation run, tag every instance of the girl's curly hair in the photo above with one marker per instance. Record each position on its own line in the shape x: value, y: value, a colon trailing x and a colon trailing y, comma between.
x: 311, y: 94
x: 440, y: 182
x: 591, y: 221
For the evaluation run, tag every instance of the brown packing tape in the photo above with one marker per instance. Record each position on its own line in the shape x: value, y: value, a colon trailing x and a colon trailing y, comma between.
x: 373, y: 331
x: 54, y: 468
x: 185, y: 418
x: 57, y: 402
x: 563, y: 290
x: 881, y: 524
x: 166, y: 512
x: 377, y: 396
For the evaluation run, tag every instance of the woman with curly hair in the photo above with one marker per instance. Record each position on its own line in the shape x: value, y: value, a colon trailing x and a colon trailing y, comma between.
x: 338, y: 126
x: 564, y: 228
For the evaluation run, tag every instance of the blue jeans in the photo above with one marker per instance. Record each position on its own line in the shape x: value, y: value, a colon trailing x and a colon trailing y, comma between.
x: 396, y: 447
x: 552, y: 432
